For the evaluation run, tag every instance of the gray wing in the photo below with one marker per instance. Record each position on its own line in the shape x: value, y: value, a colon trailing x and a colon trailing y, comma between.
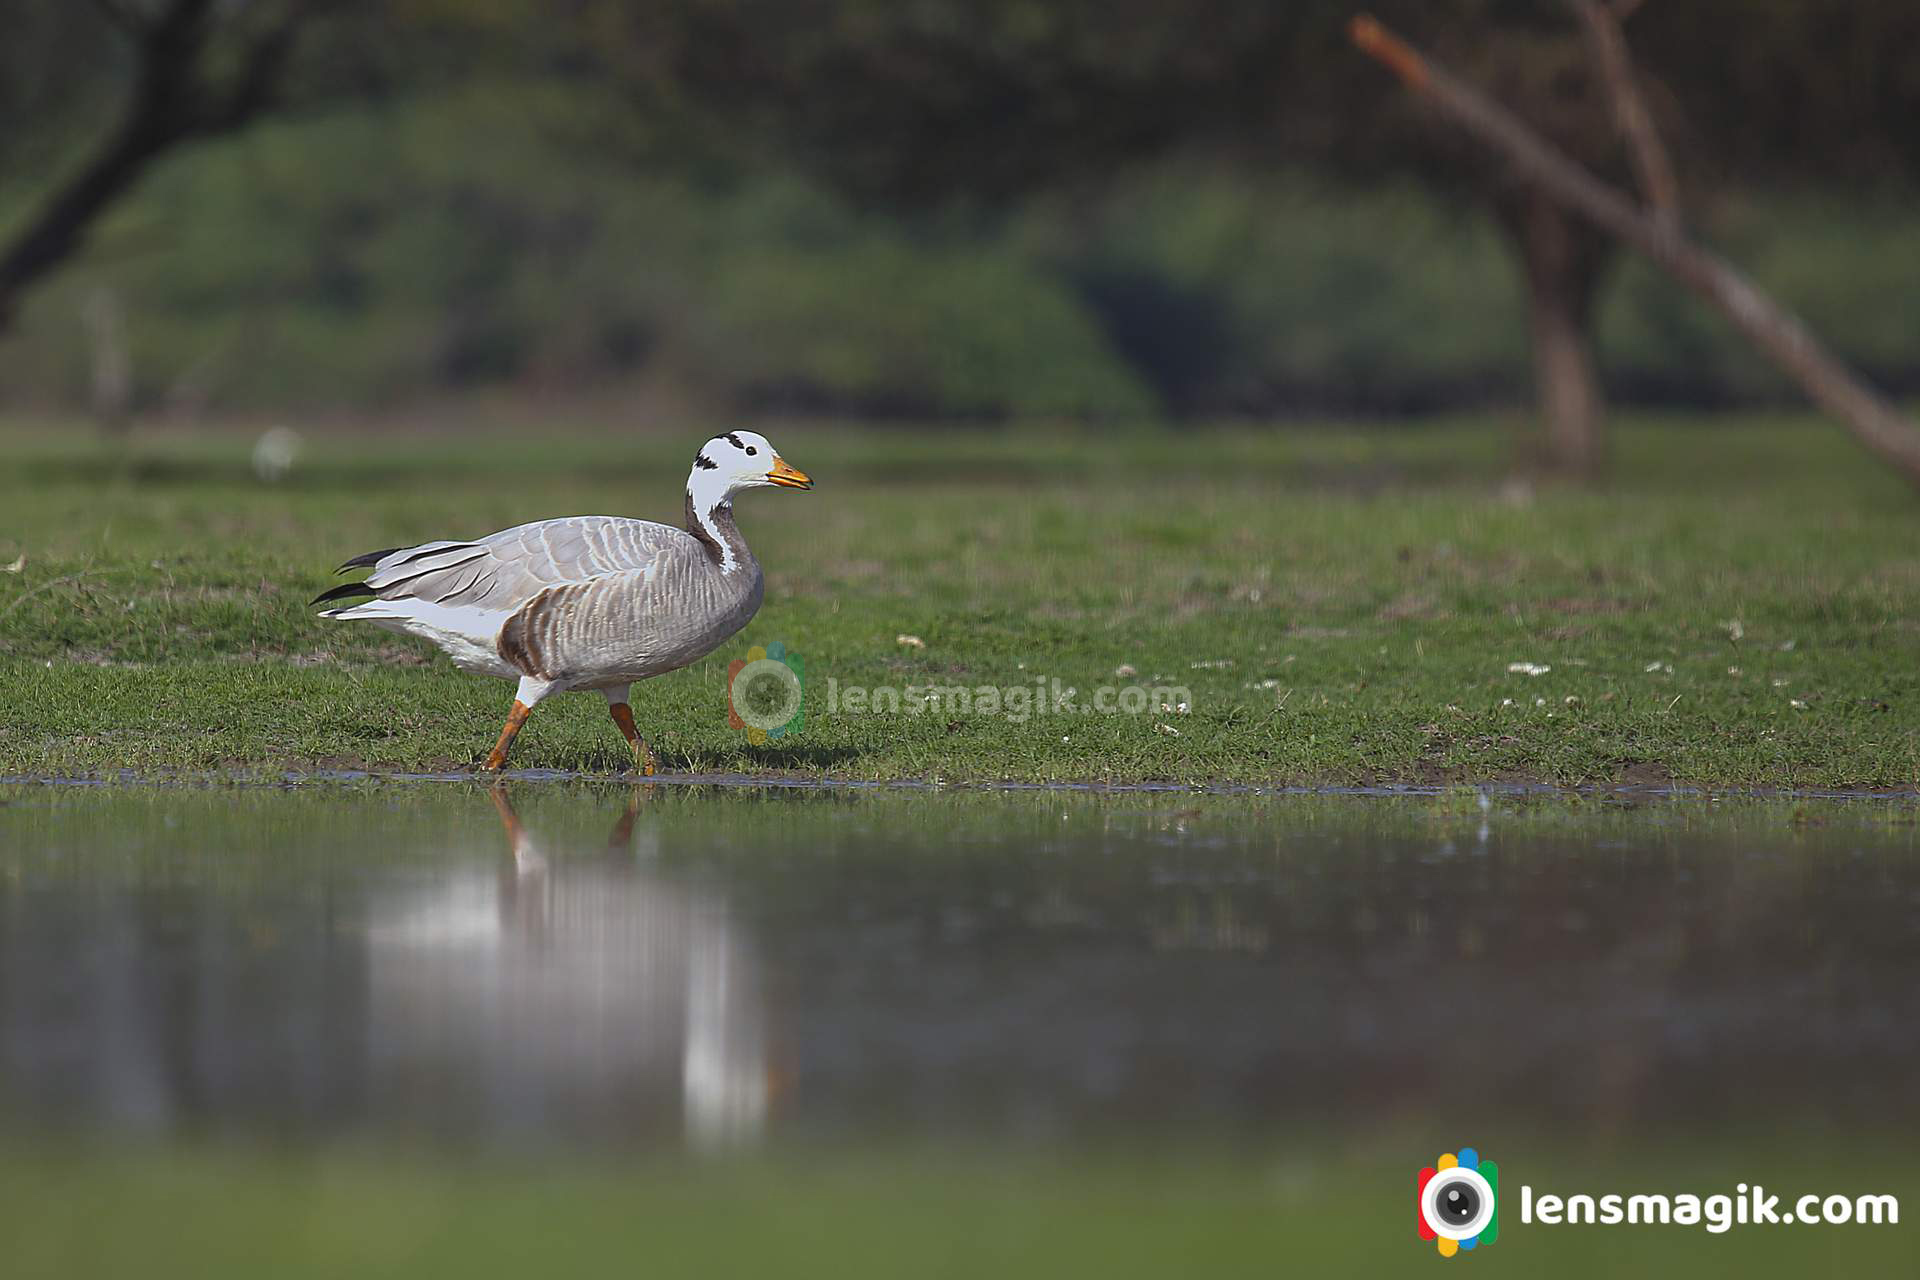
x: 505, y: 570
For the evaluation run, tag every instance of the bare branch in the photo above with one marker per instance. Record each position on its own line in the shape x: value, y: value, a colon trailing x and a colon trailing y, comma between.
x: 1652, y: 167
x: 1777, y: 332
x: 175, y: 97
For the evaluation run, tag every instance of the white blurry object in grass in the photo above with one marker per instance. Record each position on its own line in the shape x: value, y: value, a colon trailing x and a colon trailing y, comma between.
x: 275, y: 453
x: 1528, y: 668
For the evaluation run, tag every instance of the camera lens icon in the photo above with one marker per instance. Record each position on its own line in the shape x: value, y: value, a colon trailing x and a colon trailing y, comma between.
x: 1458, y: 1201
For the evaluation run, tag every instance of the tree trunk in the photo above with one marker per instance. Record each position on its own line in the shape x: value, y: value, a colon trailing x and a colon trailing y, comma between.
x: 110, y: 388
x: 1562, y: 263
x: 1569, y: 394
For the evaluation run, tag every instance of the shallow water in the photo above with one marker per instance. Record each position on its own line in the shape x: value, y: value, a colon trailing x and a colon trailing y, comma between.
x: 604, y: 972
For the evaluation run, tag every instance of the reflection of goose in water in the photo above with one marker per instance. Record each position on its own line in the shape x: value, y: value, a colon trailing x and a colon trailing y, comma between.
x: 567, y: 994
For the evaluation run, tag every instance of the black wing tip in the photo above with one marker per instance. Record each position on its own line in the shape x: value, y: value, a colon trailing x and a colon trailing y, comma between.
x: 345, y: 591
x: 368, y: 560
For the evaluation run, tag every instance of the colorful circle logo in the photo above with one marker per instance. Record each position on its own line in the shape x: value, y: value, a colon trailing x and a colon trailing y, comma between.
x: 1457, y: 1202
x: 766, y: 693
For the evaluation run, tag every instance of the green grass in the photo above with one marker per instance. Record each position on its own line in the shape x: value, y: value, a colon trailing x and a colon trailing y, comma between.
x: 205, y: 1211
x: 1737, y: 607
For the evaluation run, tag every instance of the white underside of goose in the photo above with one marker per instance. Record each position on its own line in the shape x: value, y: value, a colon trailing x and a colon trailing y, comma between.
x: 466, y: 634
x: 583, y: 602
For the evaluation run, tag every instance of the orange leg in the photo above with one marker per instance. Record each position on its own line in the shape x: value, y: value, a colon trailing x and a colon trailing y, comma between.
x: 511, y: 820
x: 621, y: 840
x: 623, y: 716
x: 515, y: 718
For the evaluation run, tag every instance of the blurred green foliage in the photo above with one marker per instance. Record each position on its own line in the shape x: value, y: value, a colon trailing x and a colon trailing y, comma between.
x: 394, y: 249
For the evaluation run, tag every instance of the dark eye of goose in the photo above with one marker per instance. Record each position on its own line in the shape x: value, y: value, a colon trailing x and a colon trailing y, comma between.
x: 751, y: 451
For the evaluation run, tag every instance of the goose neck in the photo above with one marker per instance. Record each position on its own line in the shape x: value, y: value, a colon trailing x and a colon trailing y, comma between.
x: 713, y: 525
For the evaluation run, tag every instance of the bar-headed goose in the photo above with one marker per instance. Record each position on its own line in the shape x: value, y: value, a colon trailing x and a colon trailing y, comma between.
x: 583, y: 602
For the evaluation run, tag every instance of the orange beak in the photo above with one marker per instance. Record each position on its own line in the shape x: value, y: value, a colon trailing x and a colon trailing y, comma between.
x: 788, y: 477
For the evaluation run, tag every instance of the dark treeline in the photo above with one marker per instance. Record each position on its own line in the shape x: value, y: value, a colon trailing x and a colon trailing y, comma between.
x: 955, y: 209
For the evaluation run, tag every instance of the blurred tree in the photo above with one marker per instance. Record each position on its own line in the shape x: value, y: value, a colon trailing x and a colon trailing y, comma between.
x: 451, y: 196
x: 198, y: 68
x: 971, y: 102
x: 125, y: 82
x: 965, y: 103
x: 1655, y: 232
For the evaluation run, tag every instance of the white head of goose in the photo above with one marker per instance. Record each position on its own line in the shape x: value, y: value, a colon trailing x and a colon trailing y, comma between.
x: 583, y: 602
